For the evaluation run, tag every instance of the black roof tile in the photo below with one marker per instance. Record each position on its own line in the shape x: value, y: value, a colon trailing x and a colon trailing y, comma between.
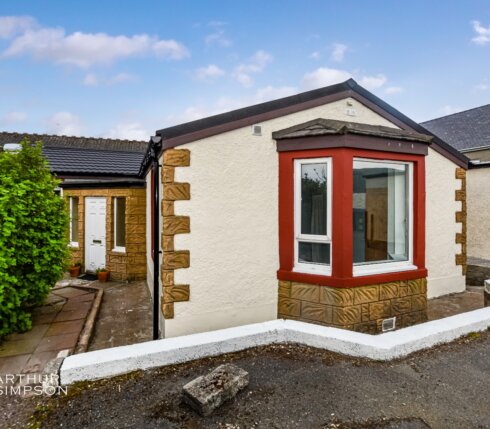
x: 86, y: 155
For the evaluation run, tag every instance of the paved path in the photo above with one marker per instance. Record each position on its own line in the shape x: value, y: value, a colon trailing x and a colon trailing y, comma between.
x: 56, y: 327
x: 456, y: 303
x: 125, y: 316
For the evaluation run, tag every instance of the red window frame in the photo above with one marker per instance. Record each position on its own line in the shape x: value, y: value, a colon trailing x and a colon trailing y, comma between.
x: 342, y: 235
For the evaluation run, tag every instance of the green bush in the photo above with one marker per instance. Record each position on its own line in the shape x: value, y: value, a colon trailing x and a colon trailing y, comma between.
x: 33, y: 239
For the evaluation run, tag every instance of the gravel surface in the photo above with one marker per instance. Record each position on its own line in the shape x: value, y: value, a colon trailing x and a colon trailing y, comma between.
x: 297, y: 387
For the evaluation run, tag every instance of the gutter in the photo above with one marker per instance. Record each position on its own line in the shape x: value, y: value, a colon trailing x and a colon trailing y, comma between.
x: 156, y: 145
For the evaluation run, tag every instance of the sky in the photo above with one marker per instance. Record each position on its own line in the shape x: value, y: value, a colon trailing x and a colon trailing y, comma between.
x: 123, y: 69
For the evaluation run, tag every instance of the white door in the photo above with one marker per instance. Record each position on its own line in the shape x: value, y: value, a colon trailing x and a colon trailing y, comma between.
x: 95, y: 209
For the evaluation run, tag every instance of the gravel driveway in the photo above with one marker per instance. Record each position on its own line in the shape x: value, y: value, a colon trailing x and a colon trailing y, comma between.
x: 295, y: 387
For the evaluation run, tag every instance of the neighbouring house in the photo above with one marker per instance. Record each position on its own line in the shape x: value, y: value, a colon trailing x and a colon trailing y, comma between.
x: 106, y: 198
x: 469, y: 133
x: 329, y: 207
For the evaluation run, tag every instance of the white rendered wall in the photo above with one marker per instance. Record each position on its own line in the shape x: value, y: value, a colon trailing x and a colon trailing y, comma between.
x: 233, y: 244
x: 478, y: 220
x: 444, y: 276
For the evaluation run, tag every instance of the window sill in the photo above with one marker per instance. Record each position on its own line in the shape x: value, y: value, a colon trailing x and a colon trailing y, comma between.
x: 347, y: 282
x: 119, y: 250
x: 315, y: 271
x: 370, y: 270
x: 73, y: 245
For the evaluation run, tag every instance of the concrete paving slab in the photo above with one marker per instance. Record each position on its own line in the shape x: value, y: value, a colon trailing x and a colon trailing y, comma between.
x: 20, y: 347
x: 37, y: 332
x: 125, y: 316
x: 58, y: 342
x: 453, y: 304
x: 47, y: 309
x: 13, y: 364
x: 69, y: 292
x: 38, y: 360
x: 66, y: 327
x: 63, y: 315
x: 83, y: 298
x: 78, y: 305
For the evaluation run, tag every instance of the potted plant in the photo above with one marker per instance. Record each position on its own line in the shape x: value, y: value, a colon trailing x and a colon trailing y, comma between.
x: 75, y: 269
x: 102, y: 274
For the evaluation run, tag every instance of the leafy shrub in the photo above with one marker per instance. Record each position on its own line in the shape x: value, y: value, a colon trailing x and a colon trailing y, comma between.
x: 33, y: 239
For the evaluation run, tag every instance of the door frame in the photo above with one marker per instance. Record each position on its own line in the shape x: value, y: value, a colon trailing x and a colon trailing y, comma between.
x: 87, y: 230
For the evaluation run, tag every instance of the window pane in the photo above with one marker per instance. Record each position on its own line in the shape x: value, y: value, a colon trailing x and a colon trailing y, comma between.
x: 314, y: 253
x: 74, y: 219
x: 314, y: 199
x: 120, y: 233
x: 380, y: 217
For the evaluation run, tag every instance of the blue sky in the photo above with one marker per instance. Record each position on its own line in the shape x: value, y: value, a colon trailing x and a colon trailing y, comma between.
x: 124, y: 69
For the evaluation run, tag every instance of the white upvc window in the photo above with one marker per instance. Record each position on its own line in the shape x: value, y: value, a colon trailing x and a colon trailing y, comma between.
x: 119, y: 209
x: 73, y: 203
x: 382, y: 217
x: 313, y: 215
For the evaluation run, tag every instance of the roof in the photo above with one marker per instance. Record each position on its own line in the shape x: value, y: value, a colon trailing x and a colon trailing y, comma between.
x: 217, y: 124
x: 86, y: 155
x: 320, y: 126
x: 464, y: 130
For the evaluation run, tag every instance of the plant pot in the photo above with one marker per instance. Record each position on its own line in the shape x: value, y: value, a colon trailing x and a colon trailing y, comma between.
x: 103, y: 276
x: 74, y: 271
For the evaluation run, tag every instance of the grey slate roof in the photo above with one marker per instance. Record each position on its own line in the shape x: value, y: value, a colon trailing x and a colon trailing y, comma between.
x: 322, y: 126
x: 464, y: 130
x: 86, y: 155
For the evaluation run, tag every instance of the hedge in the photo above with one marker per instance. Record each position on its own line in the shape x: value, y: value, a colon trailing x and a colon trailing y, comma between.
x: 33, y: 239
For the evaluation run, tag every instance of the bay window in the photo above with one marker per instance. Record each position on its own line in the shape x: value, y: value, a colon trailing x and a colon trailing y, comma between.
x: 313, y: 219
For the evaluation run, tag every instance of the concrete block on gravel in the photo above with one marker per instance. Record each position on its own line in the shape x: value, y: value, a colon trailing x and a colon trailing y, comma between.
x: 208, y: 392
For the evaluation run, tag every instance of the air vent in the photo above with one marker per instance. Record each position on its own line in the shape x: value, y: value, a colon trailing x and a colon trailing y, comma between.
x: 388, y: 324
x: 257, y: 130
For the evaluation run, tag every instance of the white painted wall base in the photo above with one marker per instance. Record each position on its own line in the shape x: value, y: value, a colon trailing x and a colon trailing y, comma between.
x: 121, y: 360
x: 445, y: 285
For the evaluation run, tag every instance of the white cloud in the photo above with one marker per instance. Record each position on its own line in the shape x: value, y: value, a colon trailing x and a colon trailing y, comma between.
x: 484, y: 86
x: 10, y: 26
x: 225, y: 104
x: 87, y: 49
x: 315, y: 55
x: 338, y: 52
x: 128, y: 131
x: 482, y: 33
x: 373, y: 82
x: 257, y: 63
x: 169, y: 49
x: 271, y: 93
x: 12, y: 118
x: 324, y: 76
x: 211, y: 71
x: 393, y: 90
x: 64, y: 123
x: 91, y: 79
x: 448, y: 109
x: 217, y: 38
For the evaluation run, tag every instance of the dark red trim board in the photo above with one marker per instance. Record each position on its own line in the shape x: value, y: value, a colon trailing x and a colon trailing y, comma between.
x: 342, y: 184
